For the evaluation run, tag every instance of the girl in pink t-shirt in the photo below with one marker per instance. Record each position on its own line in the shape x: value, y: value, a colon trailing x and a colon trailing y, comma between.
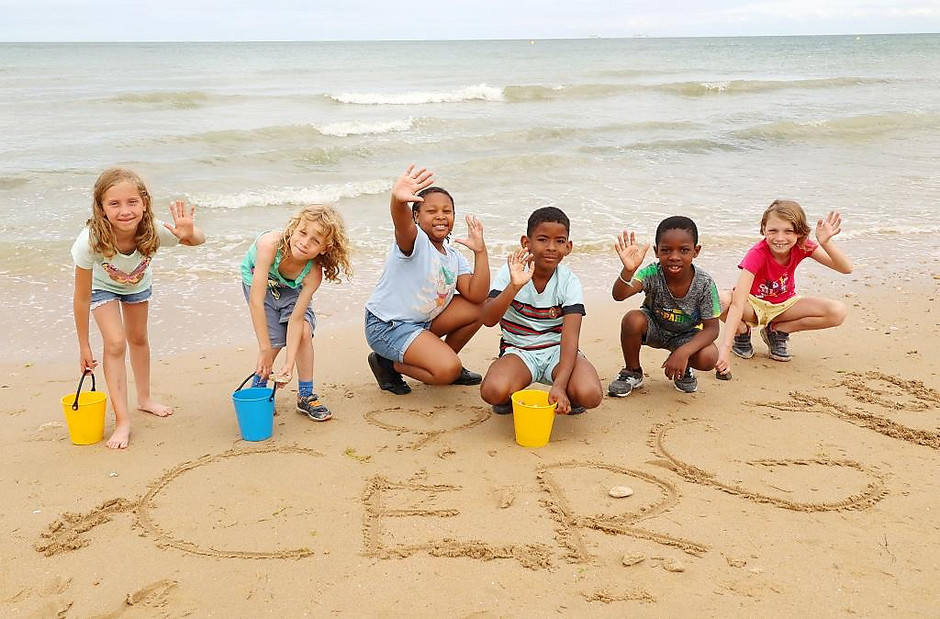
x: 765, y: 294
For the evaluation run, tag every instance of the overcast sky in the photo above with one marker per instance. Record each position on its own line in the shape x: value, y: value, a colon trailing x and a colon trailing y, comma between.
x: 306, y: 20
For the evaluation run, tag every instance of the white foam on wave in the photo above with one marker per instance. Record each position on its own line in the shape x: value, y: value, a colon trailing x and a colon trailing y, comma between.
x: 317, y: 194
x: 343, y: 129
x: 480, y: 92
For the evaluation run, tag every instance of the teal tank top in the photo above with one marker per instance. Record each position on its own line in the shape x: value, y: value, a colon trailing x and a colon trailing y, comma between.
x: 274, y: 276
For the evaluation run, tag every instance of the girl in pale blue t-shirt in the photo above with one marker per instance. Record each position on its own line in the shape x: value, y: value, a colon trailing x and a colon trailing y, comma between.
x: 112, y: 263
x: 414, y: 305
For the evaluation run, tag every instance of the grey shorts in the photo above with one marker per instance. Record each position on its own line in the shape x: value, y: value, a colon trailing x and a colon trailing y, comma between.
x: 391, y: 339
x: 655, y: 337
x: 100, y: 297
x: 277, y: 311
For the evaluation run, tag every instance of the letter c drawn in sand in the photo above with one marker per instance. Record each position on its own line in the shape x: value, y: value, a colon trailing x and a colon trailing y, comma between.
x: 66, y: 533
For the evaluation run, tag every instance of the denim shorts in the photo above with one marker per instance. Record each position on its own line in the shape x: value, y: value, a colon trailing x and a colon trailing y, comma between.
x: 100, y: 297
x: 391, y: 339
x: 655, y: 337
x: 277, y: 311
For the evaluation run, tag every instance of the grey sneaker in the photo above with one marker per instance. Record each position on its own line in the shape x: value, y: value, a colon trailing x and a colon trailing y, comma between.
x: 778, y: 344
x: 627, y: 380
x: 311, y: 407
x: 742, y: 346
x: 687, y: 383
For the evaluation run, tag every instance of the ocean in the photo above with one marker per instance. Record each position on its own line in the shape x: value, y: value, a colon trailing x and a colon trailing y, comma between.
x: 619, y: 133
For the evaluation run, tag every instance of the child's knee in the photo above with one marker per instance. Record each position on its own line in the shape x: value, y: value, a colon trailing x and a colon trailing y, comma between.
x: 633, y: 323
x: 589, y: 396
x: 447, y: 371
x: 115, y: 346
x: 838, y: 312
x: 705, y: 359
x: 137, y: 339
x: 492, y: 391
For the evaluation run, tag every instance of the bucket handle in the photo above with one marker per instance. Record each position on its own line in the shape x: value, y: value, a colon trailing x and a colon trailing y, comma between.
x: 250, y: 376
x: 79, y: 389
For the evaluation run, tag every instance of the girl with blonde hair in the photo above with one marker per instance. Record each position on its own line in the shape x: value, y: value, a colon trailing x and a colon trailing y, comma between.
x: 112, y: 256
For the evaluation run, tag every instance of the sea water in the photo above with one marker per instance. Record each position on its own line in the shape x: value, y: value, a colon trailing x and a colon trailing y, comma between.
x: 619, y: 133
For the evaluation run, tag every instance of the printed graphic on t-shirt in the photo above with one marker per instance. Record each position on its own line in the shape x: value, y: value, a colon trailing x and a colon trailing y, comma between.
x: 437, y: 294
x: 124, y: 278
x: 677, y: 316
x: 774, y: 289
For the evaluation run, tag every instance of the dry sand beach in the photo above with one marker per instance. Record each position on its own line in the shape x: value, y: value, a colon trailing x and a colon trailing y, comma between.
x: 807, y: 488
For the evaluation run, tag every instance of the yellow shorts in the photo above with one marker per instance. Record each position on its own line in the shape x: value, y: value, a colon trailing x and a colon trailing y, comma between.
x: 767, y: 311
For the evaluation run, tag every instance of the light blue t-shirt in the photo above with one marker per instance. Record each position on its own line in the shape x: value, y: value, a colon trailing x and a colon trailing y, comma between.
x: 418, y: 287
x: 533, y: 320
x: 121, y: 273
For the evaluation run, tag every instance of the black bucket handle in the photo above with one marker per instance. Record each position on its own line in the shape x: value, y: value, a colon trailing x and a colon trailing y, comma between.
x: 79, y: 389
x: 238, y: 388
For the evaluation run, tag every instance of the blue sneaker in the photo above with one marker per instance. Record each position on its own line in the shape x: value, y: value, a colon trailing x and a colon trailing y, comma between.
x: 311, y: 407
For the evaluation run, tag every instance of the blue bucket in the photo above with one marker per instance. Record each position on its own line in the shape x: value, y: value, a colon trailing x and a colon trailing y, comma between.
x: 254, y: 408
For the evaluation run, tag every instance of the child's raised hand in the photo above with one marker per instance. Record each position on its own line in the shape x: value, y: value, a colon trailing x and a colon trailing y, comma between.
x: 183, y: 223
x: 474, y: 239
x: 631, y: 255
x: 828, y: 227
x: 410, y: 183
x: 521, y: 267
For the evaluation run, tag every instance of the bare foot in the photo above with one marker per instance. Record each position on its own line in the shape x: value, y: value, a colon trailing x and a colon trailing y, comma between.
x: 155, y: 408
x: 120, y: 437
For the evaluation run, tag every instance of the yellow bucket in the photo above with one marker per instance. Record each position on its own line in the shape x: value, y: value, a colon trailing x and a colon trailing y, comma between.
x: 84, y: 413
x: 532, y: 417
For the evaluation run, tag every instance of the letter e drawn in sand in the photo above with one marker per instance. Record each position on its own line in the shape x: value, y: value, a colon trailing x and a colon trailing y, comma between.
x: 532, y: 556
x: 427, y: 425
x: 873, y: 492
x: 569, y: 524
x: 66, y: 533
x: 873, y: 388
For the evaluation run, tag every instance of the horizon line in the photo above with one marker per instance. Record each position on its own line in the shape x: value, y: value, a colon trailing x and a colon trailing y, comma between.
x: 639, y: 36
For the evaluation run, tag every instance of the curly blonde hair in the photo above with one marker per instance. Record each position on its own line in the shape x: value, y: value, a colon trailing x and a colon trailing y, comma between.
x: 335, y: 256
x: 791, y: 212
x: 101, y: 235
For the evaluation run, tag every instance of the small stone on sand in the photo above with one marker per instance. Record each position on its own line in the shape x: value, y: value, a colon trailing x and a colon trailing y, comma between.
x: 619, y: 492
x: 671, y: 565
x: 629, y: 560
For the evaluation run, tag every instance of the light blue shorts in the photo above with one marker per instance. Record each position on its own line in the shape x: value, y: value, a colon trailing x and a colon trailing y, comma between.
x: 100, y: 297
x: 391, y: 339
x: 277, y: 311
x: 541, y: 363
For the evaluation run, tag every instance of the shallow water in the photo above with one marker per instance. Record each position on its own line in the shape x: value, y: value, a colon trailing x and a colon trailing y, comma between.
x: 618, y: 133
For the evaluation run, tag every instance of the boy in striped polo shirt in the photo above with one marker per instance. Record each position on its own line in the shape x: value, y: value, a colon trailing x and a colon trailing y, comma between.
x: 539, y: 305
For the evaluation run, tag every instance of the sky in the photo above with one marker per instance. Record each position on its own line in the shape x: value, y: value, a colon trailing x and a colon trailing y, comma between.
x: 331, y: 20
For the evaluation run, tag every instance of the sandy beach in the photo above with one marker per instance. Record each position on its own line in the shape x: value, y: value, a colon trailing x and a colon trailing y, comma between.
x: 802, y: 488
